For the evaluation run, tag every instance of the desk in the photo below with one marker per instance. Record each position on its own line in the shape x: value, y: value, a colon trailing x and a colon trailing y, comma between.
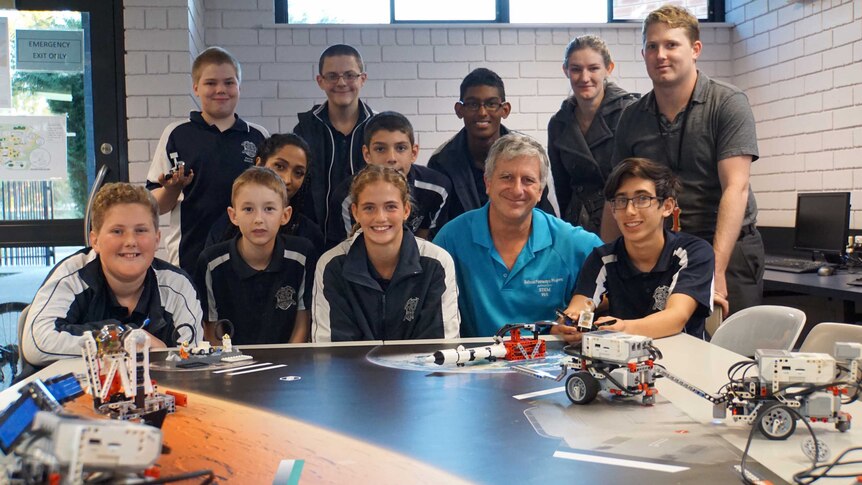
x: 834, y: 286
x: 353, y: 420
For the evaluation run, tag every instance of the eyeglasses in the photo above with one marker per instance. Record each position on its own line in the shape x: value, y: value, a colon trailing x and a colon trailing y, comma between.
x: 333, y: 77
x: 490, y: 105
x: 639, y: 202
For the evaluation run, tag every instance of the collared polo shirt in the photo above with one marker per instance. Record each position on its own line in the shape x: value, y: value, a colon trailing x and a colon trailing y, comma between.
x: 261, y: 305
x: 686, y: 266
x: 541, y: 280
x: 719, y: 125
x: 216, y: 158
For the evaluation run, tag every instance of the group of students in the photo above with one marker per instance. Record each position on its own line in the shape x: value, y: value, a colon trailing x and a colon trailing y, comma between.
x: 323, y: 234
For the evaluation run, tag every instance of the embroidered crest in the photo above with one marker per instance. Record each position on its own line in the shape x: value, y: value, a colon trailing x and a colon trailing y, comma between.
x: 285, y: 298
x: 659, y: 297
x: 249, y: 149
x: 410, y: 309
x: 414, y: 222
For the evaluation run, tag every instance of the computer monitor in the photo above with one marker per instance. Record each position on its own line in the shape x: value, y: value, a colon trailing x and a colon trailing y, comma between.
x: 822, y: 224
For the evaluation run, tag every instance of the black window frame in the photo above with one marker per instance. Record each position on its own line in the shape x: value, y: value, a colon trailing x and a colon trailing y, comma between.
x: 715, y: 10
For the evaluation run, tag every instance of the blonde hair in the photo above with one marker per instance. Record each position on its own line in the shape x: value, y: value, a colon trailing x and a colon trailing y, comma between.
x: 122, y: 193
x: 377, y: 173
x: 217, y: 56
x: 263, y: 177
x: 674, y: 17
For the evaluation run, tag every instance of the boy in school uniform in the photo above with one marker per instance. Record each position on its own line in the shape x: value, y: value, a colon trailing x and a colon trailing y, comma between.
x: 389, y: 142
x: 197, y: 160
x: 334, y: 129
x: 117, y: 280
x: 483, y: 107
x: 260, y: 281
x: 657, y: 282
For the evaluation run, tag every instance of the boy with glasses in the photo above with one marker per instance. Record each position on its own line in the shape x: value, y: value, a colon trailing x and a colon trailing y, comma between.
x: 482, y: 106
x: 334, y: 129
x: 656, y: 282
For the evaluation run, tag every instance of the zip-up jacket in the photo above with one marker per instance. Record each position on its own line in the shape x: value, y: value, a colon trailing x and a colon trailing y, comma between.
x: 326, y: 170
x: 581, y: 162
x: 419, y: 302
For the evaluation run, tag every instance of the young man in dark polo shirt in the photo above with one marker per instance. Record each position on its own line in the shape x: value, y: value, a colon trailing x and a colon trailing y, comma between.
x: 657, y: 283
x: 334, y: 129
x: 704, y: 130
x: 260, y: 281
x: 483, y: 107
x: 197, y: 160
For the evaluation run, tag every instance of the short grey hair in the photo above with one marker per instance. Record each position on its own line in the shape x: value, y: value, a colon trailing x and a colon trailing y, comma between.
x: 516, y: 145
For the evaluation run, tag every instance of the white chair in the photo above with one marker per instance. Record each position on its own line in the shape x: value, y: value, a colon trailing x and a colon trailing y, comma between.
x: 760, y: 327
x: 823, y: 336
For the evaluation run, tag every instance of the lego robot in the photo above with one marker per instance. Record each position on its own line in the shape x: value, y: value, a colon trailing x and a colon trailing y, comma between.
x: 619, y: 363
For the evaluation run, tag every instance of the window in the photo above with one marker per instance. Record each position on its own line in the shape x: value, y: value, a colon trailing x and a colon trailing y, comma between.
x: 481, y: 11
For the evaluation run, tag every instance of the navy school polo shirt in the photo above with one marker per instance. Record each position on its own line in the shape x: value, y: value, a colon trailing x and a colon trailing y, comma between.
x: 261, y: 305
x: 217, y: 158
x: 686, y: 266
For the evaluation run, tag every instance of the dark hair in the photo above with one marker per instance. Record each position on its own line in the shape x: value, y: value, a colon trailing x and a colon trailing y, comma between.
x: 666, y: 182
x: 483, y: 77
x: 273, y: 144
x: 388, y: 121
x: 214, y: 55
x: 276, y: 142
x: 340, y: 50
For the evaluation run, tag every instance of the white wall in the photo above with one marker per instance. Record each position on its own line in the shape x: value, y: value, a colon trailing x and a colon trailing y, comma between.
x: 801, y: 65
x: 781, y: 54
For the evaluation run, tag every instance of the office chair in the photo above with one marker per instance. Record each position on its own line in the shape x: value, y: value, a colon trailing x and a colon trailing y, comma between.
x: 760, y: 327
x: 823, y: 336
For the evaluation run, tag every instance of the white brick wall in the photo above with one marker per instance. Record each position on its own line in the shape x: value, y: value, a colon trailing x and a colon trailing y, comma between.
x: 806, y: 127
x: 799, y: 63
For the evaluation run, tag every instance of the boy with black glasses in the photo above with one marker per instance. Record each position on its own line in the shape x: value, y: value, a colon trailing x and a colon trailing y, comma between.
x: 483, y: 107
x: 334, y: 129
x: 655, y: 282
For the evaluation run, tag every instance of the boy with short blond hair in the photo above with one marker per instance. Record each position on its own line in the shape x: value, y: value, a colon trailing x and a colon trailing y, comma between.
x: 116, y: 280
x: 334, y: 129
x: 260, y: 281
x: 389, y: 142
x: 197, y: 160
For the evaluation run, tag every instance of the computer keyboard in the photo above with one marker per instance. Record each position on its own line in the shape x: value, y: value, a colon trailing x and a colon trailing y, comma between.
x: 792, y: 265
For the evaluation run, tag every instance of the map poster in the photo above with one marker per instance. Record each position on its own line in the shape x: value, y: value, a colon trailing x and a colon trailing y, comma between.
x: 32, y: 147
x: 5, y: 72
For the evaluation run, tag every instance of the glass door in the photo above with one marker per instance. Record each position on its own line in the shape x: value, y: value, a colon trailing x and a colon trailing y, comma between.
x: 62, y: 119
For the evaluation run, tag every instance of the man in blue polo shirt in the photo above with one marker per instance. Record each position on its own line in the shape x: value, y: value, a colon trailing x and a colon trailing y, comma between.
x: 656, y: 282
x: 514, y: 263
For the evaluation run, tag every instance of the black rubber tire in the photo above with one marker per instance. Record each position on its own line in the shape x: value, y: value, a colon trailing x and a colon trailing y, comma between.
x: 775, y: 421
x: 582, y: 387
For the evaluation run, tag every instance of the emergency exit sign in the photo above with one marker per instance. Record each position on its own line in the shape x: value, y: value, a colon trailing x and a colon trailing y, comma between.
x: 49, y: 50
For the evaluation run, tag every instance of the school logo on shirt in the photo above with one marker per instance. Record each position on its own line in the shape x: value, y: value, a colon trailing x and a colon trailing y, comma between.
x: 249, y: 149
x: 413, y: 223
x: 410, y: 309
x: 285, y: 297
x: 659, y: 297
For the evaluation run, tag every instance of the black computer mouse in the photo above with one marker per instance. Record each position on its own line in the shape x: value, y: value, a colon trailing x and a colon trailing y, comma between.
x: 825, y: 271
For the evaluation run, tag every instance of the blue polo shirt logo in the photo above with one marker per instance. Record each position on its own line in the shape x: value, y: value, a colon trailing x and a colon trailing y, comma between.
x: 544, y: 286
x: 285, y: 297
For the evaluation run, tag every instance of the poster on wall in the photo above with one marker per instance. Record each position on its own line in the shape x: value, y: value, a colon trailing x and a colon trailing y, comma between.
x: 5, y: 71
x: 32, y: 147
